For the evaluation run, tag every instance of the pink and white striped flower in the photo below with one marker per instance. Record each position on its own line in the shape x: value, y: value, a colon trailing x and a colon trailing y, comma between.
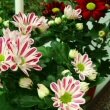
x: 83, y: 66
x: 5, y: 57
x: 72, y: 13
x: 27, y: 23
x: 13, y: 35
x: 68, y: 95
x: 25, y: 57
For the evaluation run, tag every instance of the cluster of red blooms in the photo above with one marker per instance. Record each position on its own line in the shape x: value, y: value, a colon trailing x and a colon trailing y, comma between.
x: 90, y: 8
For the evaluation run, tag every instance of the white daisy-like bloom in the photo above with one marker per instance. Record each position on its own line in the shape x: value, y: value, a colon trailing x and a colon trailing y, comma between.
x: 83, y: 66
x: 68, y: 94
x: 71, y: 13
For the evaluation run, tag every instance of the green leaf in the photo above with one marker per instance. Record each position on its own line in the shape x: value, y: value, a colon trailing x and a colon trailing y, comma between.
x: 104, y: 68
x: 60, y: 52
x: 46, y: 53
x: 4, y: 104
x: 26, y: 101
x: 99, y: 54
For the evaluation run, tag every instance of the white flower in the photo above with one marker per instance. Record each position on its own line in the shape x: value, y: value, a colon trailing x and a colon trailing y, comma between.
x: 58, y: 20
x: 72, y: 13
x: 6, y: 23
x: 25, y: 83
x: 84, y: 86
x: 83, y: 66
x: 73, y: 53
x: 51, y: 22
x: 79, y: 26
x: 1, y: 19
x: 92, y: 76
x: 65, y: 72
x: 42, y: 91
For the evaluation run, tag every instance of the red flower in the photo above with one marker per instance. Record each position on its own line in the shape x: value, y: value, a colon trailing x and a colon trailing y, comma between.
x: 53, y: 8
x: 92, y: 8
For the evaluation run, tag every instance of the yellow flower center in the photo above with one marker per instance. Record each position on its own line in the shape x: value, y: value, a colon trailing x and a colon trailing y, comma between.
x: 66, y: 98
x: 55, y: 10
x: 81, y: 67
x: 2, y: 57
x: 91, y: 6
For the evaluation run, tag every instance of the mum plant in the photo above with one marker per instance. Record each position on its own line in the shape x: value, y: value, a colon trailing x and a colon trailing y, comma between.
x: 49, y: 60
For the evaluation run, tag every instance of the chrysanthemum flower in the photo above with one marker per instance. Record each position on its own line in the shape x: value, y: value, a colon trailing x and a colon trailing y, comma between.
x: 24, y: 56
x: 83, y: 66
x: 27, y: 23
x: 5, y: 57
x: 53, y: 8
x: 13, y: 35
x: 43, y: 24
x: 92, y: 8
x: 7, y: 34
x: 68, y: 95
x: 72, y: 13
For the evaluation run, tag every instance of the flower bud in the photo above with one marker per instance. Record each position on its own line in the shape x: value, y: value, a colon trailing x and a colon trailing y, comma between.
x: 25, y: 83
x: 79, y: 26
x: 42, y: 91
x: 84, y: 87
x: 73, y: 53
x: 65, y: 72
x: 58, y: 20
x: 51, y: 22
x: 92, y: 76
x: 6, y: 23
x: 63, y: 17
x: 102, y: 33
x: 1, y: 19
